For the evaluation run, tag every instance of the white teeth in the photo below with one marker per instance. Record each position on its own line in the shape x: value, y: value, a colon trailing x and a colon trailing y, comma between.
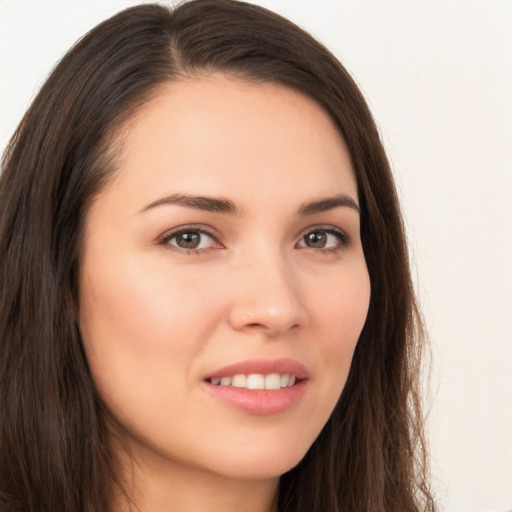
x: 272, y: 381
x: 255, y: 381
x: 239, y: 381
x: 225, y: 381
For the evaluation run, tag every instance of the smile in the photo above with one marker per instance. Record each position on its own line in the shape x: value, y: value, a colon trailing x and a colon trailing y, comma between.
x: 272, y: 381
x: 259, y: 386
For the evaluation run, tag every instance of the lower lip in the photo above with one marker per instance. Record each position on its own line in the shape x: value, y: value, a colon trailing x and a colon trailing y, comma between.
x: 259, y: 401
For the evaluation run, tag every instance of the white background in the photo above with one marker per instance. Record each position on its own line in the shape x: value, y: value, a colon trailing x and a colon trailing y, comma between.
x: 438, y: 77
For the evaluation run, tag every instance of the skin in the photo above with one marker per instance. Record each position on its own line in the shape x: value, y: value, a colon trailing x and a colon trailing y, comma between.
x: 157, y: 318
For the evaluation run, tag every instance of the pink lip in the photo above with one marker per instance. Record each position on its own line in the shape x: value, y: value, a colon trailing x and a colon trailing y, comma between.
x: 260, y: 402
x: 263, y: 366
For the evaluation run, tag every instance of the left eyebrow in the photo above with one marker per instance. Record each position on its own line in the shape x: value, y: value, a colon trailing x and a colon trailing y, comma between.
x: 328, y: 203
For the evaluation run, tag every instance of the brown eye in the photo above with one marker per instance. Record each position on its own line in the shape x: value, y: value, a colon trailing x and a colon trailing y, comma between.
x: 328, y: 239
x: 190, y: 240
x: 316, y: 240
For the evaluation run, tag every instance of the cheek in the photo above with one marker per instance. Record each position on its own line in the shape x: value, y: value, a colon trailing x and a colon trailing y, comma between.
x: 125, y: 311
x: 140, y: 331
x: 342, y: 313
x: 135, y: 317
x: 343, y: 307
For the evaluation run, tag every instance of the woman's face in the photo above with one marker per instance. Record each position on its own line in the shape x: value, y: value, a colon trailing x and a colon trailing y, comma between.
x: 228, y: 244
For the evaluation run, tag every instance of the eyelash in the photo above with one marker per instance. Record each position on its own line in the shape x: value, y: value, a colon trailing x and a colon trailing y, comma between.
x: 164, y: 240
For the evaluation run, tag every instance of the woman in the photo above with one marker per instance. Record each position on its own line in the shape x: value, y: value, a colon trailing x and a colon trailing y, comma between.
x: 206, y: 302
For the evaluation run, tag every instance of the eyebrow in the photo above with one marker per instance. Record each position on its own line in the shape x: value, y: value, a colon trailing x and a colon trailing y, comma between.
x: 209, y: 204
x: 328, y: 203
x: 222, y: 205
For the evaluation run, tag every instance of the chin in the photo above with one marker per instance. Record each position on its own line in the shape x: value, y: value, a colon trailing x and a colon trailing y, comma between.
x: 260, y: 464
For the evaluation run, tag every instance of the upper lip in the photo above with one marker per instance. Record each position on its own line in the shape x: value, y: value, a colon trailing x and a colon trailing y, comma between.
x: 262, y: 366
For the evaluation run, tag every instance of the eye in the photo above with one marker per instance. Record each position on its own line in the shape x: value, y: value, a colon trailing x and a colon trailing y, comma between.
x: 190, y: 239
x: 323, y: 239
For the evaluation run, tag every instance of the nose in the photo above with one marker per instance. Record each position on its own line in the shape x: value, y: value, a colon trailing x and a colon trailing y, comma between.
x: 266, y: 297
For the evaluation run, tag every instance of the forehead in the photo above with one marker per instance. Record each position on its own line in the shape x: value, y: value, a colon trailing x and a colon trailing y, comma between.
x: 224, y: 135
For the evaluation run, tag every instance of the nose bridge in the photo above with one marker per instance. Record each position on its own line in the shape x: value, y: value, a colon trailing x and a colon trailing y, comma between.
x: 266, y: 293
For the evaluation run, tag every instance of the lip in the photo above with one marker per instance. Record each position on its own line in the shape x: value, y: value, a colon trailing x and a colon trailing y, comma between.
x: 262, y: 401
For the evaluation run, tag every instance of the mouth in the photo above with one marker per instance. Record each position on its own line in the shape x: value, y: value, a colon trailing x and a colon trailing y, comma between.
x: 260, y: 386
x: 256, y: 381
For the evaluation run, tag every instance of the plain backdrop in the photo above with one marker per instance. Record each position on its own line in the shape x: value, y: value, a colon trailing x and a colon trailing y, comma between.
x: 438, y: 77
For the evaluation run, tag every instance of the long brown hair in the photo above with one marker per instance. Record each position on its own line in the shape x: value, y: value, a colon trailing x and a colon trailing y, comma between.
x: 53, y: 438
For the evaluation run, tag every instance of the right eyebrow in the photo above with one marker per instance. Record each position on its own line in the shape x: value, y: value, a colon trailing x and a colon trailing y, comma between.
x: 206, y: 203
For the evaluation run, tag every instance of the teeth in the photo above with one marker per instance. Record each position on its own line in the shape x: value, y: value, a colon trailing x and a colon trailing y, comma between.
x: 272, y: 381
x: 239, y: 381
x: 225, y: 381
x: 255, y: 381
